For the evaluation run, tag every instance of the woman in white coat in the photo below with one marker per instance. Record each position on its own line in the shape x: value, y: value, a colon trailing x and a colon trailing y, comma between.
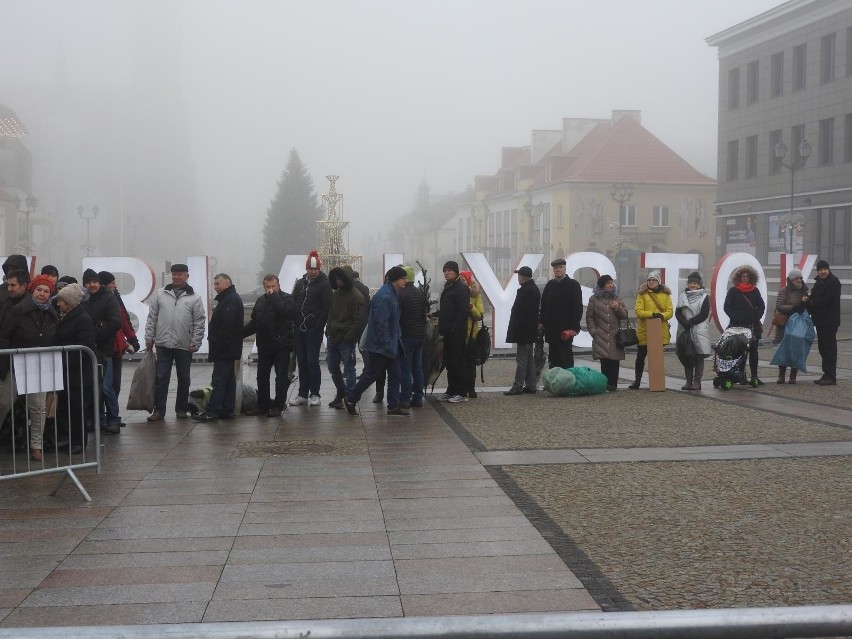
x: 693, y: 315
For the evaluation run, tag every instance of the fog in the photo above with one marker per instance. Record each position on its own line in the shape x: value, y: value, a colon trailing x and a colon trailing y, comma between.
x: 176, y: 118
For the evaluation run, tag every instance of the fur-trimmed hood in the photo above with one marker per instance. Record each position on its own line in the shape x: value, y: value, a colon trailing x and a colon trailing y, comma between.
x: 753, y: 277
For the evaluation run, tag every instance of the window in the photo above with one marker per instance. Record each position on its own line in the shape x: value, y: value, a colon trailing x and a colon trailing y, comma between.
x: 799, y: 64
x: 752, y: 82
x: 734, y: 88
x: 774, y: 162
x: 751, y: 157
x: 826, y: 141
x: 797, y: 134
x: 661, y: 216
x: 627, y: 215
x: 826, y: 57
x: 776, y: 75
x: 733, y: 160
x: 560, y: 220
x: 847, y: 138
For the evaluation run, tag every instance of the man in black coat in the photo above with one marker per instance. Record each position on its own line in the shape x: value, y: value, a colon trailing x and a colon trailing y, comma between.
x: 560, y: 314
x: 225, y: 339
x: 272, y: 321
x: 824, y: 306
x: 523, y: 330
x: 106, y: 313
x: 312, y: 294
x: 452, y: 325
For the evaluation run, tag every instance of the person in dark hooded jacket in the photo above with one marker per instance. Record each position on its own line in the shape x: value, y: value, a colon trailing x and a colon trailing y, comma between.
x: 106, y: 313
x: 272, y: 321
x: 12, y: 263
x: 744, y: 306
x: 453, y: 311
x: 346, y: 321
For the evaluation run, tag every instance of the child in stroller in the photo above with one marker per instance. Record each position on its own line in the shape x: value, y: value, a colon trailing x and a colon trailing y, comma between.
x: 729, y: 357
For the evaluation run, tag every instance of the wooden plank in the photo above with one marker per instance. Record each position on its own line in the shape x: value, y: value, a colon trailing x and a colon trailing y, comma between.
x: 656, y: 362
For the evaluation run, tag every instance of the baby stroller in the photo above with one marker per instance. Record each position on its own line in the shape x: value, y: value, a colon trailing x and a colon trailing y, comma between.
x: 729, y: 357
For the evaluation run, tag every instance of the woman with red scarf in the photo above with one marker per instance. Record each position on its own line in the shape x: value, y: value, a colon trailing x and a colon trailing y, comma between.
x: 744, y: 306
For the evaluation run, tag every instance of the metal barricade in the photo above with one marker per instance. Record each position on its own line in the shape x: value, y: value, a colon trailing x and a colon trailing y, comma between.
x: 735, y: 623
x: 49, y: 403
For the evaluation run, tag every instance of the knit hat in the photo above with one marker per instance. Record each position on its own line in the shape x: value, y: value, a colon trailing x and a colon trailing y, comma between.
x: 313, y: 260
x: 50, y: 269
x: 106, y: 277
x: 695, y: 276
x: 451, y: 266
x: 42, y: 280
x: 71, y: 294
x: 395, y: 273
x: 67, y: 279
x: 821, y: 264
x: 468, y: 276
x: 90, y: 275
x: 409, y: 273
x: 794, y: 272
x: 655, y: 275
x: 603, y: 280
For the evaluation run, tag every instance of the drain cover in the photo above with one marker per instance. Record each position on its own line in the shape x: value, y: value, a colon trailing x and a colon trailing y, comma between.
x: 300, y: 447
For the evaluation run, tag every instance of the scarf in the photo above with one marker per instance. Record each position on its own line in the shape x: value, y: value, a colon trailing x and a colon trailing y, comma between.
x: 40, y: 306
x: 607, y: 295
x: 745, y: 288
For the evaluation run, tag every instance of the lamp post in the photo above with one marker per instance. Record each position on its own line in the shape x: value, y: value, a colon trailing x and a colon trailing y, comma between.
x: 31, y: 203
x: 620, y: 193
x: 88, y: 246
x: 792, y: 221
x: 134, y: 222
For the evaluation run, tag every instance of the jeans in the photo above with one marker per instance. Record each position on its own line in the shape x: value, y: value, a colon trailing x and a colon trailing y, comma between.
x: 335, y: 355
x: 412, y: 385
x: 113, y: 413
x: 376, y: 364
x: 525, y: 374
x: 306, y: 345
x: 223, y: 397
x: 181, y: 359
x: 267, y: 359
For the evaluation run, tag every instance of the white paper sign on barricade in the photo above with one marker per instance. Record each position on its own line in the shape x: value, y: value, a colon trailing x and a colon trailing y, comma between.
x: 38, y: 372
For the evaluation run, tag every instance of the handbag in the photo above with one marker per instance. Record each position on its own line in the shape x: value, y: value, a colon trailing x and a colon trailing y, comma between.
x: 626, y: 335
x: 779, y: 319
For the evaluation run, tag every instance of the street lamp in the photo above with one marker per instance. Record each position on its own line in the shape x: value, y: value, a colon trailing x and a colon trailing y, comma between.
x: 620, y: 193
x: 134, y: 223
x: 792, y: 221
x: 88, y: 246
x: 31, y: 202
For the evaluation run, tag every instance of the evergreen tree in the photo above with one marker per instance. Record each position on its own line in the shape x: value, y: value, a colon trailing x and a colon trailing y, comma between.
x: 290, y: 227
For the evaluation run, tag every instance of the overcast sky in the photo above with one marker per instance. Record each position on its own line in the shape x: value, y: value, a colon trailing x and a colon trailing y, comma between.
x: 385, y: 93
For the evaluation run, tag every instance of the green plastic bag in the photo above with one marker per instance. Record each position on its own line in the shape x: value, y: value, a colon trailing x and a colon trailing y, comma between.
x: 558, y: 381
x: 588, y: 381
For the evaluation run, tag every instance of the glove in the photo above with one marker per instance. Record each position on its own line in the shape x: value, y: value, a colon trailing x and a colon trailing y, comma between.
x: 657, y: 316
x: 134, y: 342
x: 566, y: 335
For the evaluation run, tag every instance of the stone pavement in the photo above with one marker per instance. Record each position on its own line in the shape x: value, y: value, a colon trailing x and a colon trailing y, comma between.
x: 495, y: 505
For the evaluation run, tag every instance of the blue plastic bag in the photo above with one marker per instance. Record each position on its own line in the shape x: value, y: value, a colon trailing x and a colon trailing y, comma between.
x: 793, y: 350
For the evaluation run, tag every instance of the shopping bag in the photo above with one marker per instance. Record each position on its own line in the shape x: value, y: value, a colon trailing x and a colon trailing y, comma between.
x: 141, y: 395
x: 795, y: 346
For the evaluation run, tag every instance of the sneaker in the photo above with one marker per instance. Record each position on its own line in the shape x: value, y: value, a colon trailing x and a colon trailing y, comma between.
x: 472, y: 395
x: 205, y: 417
x: 398, y: 411
x: 314, y: 400
x: 298, y: 400
x: 755, y: 382
x: 181, y: 414
x: 445, y: 397
x: 350, y: 407
x: 530, y: 390
x: 155, y: 417
x: 514, y: 391
x: 455, y: 399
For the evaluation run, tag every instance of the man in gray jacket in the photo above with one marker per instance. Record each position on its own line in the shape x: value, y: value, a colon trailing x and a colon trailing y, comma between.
x: 175, y: 325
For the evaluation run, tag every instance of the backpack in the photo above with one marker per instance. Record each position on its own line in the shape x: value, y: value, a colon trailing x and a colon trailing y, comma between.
x: 479, y: 347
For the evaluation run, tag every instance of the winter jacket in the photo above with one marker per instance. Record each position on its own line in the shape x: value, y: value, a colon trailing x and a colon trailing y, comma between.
x: 744, y: 306
x: 413, y: 307
x: 789, y: 301
x: 26, y: 326
x: 225, y: 335
x: 523, y: 319
x: 454, y: 307
x: 126, y: 334
x: 313, y: 298
x: 106, y: 313
x: 477, y: 310
x: 272, y: 320
x: 176, y: 321
x: 561, y: 308
x: 824, y: 301
x: 383, y: 330
x: 7, y: 304
x: 602, y: 323
x: 693, y: 315
x: 649, y: 302
x: 12, y: 263
x: 76, y: 327
x: 346, y: 312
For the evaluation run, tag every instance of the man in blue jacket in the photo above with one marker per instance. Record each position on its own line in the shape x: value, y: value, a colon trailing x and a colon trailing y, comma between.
x: 382, y: 343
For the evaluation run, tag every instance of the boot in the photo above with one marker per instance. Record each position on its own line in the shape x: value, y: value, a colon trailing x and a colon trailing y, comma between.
x: 793, y: 372
x: 782, y: 371
x: 699, y: 373
x: 688, y: 372
x: 640, y: 368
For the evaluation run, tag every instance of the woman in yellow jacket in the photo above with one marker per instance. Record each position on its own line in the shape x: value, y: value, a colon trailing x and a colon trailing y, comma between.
x: 653, y: 300
x: 477, y: 311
